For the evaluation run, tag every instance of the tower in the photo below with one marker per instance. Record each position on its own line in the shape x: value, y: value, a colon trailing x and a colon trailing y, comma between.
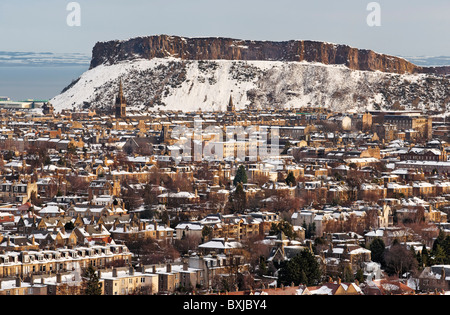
x: 121, y: 103
x: 231, y: 107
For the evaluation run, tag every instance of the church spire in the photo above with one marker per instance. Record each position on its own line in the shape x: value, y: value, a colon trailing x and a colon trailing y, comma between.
x: 231, y: 107
x: 121, y: 103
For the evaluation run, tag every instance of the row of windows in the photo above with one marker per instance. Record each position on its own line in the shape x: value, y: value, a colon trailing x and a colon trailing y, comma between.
x: 14, y: 188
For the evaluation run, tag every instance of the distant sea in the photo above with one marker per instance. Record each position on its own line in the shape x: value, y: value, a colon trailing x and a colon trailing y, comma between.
x: 39, y: 83
x: 38, y: 76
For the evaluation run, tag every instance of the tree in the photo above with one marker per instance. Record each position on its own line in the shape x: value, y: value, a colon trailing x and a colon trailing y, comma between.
x: 92, y: 282
x: 377, y: 248
x: 290, y: 179
x: 241, y: 176
x: 310, y: 229
x: 69, y: 226
x: 360, y: 275
x: 207, y: 232
x: 238, y: 200
x: 441, y: 249
x: 399, y: 260
x: 187, y: 243
x: 284, y: 227
x: 439, y: 256
x: 347, y: 274
x: 301, y: 269
x: 71, y: 149
x: 262, y: 267
x: 423, y: 257
x: 151, y: 251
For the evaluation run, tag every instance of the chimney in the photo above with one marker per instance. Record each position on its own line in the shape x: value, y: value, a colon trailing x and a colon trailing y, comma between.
x: 131, y: 271
x: 185, y: 266
x: 58, y: 278
x: 154, y: 269
x: 114, y: 272
x: 169, y: 268
x: 99, y: 272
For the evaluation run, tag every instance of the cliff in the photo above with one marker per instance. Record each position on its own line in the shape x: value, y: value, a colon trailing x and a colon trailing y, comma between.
x: 161, y: 46
x: 190, y: 74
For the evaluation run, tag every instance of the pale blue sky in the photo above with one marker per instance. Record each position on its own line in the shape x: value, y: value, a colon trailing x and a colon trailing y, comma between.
x: 409, y: 27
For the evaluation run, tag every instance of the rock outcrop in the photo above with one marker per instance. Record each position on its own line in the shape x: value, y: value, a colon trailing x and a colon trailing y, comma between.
x: 215, y: 48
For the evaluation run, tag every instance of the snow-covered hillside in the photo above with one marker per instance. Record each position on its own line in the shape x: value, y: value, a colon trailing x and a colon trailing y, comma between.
x: 175, y: 84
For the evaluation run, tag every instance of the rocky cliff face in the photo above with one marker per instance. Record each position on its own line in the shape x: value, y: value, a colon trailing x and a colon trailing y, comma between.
x: 189, y: 74
x: 109, y: 53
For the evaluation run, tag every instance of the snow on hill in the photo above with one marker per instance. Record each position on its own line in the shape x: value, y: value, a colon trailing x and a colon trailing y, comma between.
x: 187, y: 85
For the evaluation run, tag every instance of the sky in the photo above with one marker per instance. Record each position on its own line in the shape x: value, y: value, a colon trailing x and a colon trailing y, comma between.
x: 408, y: 27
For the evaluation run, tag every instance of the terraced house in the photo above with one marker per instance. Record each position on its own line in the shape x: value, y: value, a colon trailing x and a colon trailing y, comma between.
x: 40, y: 262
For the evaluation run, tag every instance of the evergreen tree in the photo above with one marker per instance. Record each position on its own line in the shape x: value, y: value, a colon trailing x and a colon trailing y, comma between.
x: 92, y: 282
x: 241, y: 176
x: 237, y: 201
x: 425, y: 257
x: 69, y: 226
x: 439, y: 256
x: 441, y: 249
x: 347, y: 274
x: 301, y: 269
x: 439, y: 240
x: 290, y: 179
x: 360, y: 275
x: 263, y: 269
x: 377, y: 247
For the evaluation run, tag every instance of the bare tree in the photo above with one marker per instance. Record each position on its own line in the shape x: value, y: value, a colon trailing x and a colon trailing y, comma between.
x: 399, y: 260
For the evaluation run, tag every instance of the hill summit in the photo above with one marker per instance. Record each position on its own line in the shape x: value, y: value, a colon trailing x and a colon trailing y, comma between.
x: 179, y: 73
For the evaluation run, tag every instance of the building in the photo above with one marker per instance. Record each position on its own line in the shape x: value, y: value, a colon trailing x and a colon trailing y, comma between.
x: 127, y: 281
x: 17, y: 191
x: 121, y: 104
x: 435, y: 278
x: 37, y: 262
